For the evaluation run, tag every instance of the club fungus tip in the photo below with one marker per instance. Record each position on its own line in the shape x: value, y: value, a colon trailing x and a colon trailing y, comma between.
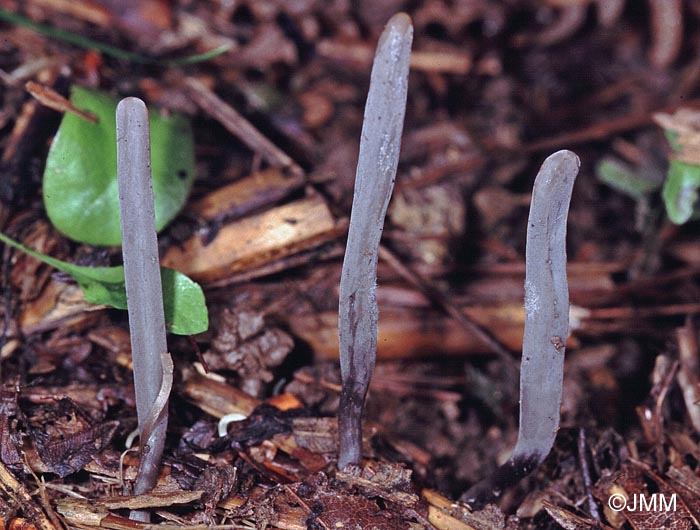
x: 400, y: 22
x: 131, y: 102
x: 567, y: 162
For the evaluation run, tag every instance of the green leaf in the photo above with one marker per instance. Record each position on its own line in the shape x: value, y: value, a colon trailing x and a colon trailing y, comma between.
x: 624, y: 179
x: 672, y: 139
x: 80, y: 179
x: 681, y: 190
x: 183, y: 299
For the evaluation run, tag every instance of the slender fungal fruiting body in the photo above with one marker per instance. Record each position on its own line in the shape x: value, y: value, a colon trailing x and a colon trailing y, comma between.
x: 376, y: 170
x: 546, y: 326
x: 152, y: 365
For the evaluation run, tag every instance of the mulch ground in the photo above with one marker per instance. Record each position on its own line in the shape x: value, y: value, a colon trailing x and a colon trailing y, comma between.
x: 495, y: 87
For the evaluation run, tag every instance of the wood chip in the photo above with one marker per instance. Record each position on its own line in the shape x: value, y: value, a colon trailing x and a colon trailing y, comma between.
x: 255, y: 240
x: 249, y: 193
x: 446, y: 61
x: 15, y: 491
x: 60, y: 304
x: 216, y: 398
x: 154, y: 499
x: 408, y: 334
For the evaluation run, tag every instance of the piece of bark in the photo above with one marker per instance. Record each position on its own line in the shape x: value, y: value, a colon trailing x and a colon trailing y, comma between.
x: 28, y: 275
x: 446, y: 514
x: 217, y: 398
x: 446, y: 60
x: 112, y: 338
x: 83, y: 514
x: 255, y: 240
x: 14, y: 491
x: 389, y: 481
x: 88, y: 397
x: 69, y: 453
x: 60, y: 304
x: 247, y: 194
x: 408, y: 334
x: 154, y: 499
x: 245, y: 344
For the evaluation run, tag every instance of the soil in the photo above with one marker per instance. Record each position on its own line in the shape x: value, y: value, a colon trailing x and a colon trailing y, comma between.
x: 495, y: 87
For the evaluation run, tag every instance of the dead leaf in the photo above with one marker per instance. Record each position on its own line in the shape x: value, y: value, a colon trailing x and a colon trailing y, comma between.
x: 685, y: 123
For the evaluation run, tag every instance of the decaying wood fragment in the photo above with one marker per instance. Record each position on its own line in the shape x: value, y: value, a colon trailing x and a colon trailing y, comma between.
x: 391, y: 482
x: 88, y: 514
x: 255, y: 240
x: 83, y: 514
x: 411, y: 333
x: 408, y: 334
x: 247, y: 194
x: 29, y: 275
x: 112, y: 338
x: 217, y: 398
x: 568, y: 519
x: 244, y: 343
x: 70, y: 451
x: 434, y: 295
x: 85, y: 396
x: 446, y: 61
x: 154, y: 499
x: 446, y: 514
x: 15, y: 491
x: 60, y: 304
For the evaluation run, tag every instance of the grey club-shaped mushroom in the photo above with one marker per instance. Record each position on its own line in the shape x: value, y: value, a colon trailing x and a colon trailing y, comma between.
x: 546, y: 326
x: 376, y: 170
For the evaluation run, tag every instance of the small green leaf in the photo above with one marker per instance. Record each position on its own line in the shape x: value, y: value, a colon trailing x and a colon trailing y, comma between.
x: 183, y: 299
x: 681, y: 190
x: 624, y: 179
x: 672, y: 139
x: 80, y: 179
